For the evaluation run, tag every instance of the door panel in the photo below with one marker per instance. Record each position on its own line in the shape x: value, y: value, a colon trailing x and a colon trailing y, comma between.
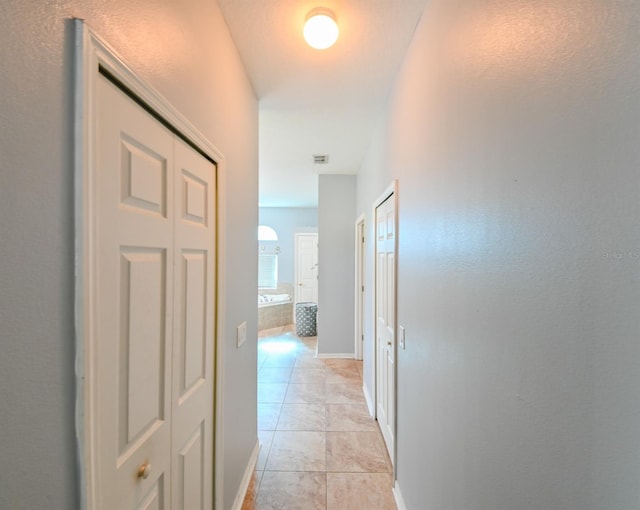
x: 192, y: 369
x: 192, y: 450
x: 190, y: 482
x: 134, y: 247
x: 385, y: 320
x: 144, y: 177
x: 195, y: 198
x: 142, y: 345
x: 154, y: 500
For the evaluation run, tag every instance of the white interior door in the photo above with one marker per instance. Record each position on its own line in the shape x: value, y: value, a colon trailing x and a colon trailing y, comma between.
x: 192, y: 376
x: 134, y: 230
x: 154, y: 230
x: 385, y: 320
x: 306, y: 288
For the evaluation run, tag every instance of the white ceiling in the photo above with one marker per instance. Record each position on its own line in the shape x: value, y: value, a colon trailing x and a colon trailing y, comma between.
x: 317, y: 102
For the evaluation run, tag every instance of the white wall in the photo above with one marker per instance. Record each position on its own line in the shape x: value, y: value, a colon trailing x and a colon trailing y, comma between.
x: 184, y: 50
x: 336, y: 258
x: 287, y: 221
x: 513, y: 130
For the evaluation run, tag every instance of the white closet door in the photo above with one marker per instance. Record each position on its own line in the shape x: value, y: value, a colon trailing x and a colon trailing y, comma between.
x: 155, y: 238
x: 385, y: 320
x: 193, y: 376
x: 134, y: 304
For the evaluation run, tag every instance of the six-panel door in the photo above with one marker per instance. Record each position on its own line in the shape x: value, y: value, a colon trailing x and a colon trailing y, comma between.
x: 155, y: 235
x: 385, y: 320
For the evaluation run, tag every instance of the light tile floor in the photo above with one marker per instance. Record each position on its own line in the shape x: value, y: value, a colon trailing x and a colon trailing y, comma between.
x: 320, y: 449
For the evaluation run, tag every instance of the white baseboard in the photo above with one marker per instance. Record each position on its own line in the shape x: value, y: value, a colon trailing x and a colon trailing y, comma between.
x: 369, y: 400
x: 398, y: 497
x: 335, y: 355
x: 246, y: 479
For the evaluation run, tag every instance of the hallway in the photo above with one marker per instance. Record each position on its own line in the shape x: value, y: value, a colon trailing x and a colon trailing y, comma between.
x: 320, y: 449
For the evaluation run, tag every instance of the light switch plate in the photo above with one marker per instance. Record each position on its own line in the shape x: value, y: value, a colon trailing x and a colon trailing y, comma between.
x: 402, y: 344
x: 241, y: 334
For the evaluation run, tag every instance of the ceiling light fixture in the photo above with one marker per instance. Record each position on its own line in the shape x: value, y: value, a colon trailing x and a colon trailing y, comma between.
x: 320, y: 29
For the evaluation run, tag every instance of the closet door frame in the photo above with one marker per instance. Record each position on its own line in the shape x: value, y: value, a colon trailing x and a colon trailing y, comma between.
x: 92, y: 56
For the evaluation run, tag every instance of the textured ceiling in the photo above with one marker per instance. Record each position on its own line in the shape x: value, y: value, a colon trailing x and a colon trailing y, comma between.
x: 317, y: 102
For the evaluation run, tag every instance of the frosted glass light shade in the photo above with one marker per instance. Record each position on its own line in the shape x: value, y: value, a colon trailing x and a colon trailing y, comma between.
x: 266, y: 233
x: 320, y: 29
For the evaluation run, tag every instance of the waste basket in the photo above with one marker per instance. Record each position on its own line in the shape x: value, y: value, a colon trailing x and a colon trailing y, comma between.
x: 306, y: 314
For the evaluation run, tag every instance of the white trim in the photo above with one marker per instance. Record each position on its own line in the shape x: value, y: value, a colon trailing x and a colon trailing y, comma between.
x: 91, y: 52
x: 81, y: 185
x: 332, y: 355
x: 219, y: 404
x: 359, y: 286
x: 370, y: 403
x: 390, y: 191
x: 397, y: 495
x: 246, y: 478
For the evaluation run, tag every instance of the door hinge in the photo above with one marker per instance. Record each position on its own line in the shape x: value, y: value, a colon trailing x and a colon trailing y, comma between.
x: 363, y: 288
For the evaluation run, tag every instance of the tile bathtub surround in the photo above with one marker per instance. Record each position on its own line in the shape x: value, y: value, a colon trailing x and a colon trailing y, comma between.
x: 320, y: 449
x: 277, y: 315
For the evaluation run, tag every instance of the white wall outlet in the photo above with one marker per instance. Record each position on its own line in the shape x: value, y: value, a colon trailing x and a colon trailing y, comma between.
x: 402, y: 337
x: 241, y: 334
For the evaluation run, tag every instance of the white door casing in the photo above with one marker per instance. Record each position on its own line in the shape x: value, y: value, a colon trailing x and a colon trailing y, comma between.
x: 146, y: 244
x: 359, y: 287
x: 385, y: 319
x: 306, y: 267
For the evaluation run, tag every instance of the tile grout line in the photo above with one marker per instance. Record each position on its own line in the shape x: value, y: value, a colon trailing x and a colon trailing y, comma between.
x: 298, y: 356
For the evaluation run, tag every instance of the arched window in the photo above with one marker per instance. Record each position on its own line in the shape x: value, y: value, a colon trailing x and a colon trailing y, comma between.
x: 266, y: 233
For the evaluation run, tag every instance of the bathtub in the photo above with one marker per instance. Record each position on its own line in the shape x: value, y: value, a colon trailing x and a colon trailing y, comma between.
x: 265, y: 300
x: 274, y: 311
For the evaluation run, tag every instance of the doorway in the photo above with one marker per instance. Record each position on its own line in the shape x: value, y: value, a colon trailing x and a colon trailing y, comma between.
x: 147, y: 242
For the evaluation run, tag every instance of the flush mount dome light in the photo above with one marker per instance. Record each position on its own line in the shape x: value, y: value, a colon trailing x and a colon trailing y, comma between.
x: 320, y: 29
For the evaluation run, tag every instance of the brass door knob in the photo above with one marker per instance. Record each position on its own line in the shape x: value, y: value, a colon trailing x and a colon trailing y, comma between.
x: 144, y: 471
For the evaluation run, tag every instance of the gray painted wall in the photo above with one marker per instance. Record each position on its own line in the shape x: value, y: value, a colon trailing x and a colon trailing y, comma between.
x: 184, y: 50
x: 513, y: 130
x: 336, y: 258
x: 287, y: 221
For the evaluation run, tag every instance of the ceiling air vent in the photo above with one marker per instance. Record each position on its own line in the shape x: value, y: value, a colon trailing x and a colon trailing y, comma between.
x: 320, y: 159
